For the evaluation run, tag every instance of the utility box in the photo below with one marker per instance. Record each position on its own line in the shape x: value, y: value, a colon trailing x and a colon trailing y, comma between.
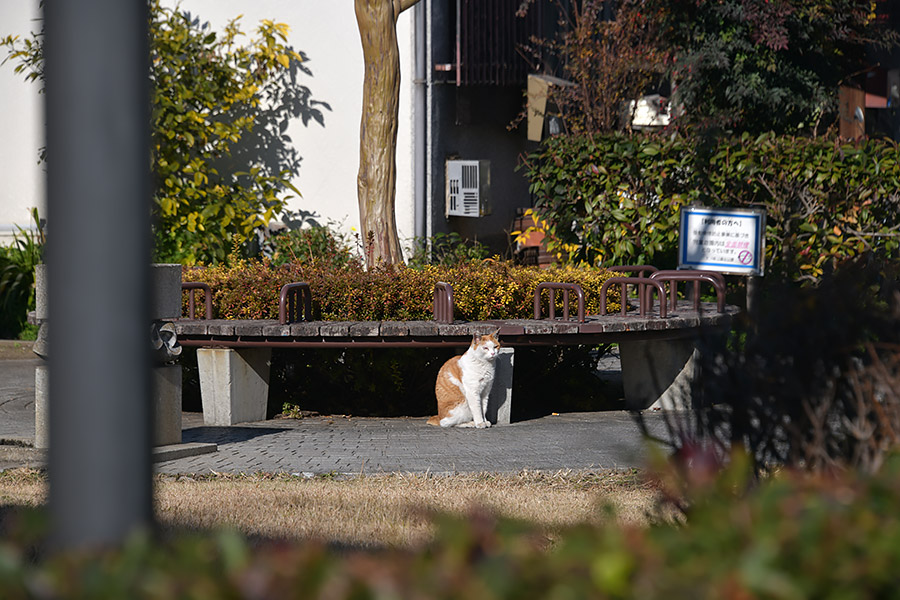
x: 468, y: 186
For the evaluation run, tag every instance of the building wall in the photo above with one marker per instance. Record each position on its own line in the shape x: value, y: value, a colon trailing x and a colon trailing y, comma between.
x: 325, y: 31
x: 21, y: 128
x: 471, y: 122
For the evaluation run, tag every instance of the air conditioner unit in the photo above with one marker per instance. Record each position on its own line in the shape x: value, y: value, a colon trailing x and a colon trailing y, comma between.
x: 468, y: 183
x: 648, y: 112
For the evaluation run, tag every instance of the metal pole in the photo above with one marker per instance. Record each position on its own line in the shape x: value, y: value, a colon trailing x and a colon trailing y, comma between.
x: 98, y: 260
x: 753, y: 293
x: 429, y: 123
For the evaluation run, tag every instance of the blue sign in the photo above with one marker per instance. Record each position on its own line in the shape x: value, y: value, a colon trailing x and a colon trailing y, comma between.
x: 724, y: 240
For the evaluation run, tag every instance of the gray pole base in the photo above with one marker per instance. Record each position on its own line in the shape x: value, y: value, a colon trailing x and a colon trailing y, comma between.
x: 41, y: 414
x: 658, y: 373
x: 234, y: 384
x: 166, y: 406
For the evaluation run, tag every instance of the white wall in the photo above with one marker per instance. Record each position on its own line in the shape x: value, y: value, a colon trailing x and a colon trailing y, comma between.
x: 21, y: 128
x: 324, y: 29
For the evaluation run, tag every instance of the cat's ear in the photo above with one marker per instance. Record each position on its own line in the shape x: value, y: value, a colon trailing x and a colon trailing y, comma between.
x: 496, y: 334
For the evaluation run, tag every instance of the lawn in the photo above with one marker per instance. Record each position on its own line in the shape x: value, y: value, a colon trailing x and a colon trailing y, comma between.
x: 376, y: 510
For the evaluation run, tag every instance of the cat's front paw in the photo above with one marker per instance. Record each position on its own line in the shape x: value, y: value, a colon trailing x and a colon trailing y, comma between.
x: 483, y: 425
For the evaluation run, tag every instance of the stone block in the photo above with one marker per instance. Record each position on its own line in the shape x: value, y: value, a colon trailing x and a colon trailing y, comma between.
x: 234, y: 384
x: 166, y: 381
x: 165, y: 297
x: 166, y: 291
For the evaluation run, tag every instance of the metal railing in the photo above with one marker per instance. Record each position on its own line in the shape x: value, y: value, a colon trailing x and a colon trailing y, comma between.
x: 191, y: 287
x: 565, y: 288
x: 289, y: 303
x: 644, y: 297
x: 717, y: 280
x: 443, y: 302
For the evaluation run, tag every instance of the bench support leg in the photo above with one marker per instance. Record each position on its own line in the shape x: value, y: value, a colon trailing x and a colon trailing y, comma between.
x: 500, y: 400
x: 658, y: 373
x: 234, y: 384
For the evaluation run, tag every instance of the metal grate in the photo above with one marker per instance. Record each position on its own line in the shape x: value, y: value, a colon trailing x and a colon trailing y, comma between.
x: 488, y: 36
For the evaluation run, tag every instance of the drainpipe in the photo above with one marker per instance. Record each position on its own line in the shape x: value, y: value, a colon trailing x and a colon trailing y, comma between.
x: 419, y: 122
x: 428, y: 212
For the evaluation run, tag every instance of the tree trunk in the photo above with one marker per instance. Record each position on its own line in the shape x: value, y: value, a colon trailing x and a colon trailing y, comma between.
x: 376, y: 182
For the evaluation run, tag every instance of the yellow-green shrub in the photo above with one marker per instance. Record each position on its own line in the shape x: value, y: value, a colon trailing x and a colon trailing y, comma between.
x: 482, y: 289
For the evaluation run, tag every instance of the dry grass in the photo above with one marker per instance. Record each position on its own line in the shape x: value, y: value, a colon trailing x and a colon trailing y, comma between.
x: 392, y: 510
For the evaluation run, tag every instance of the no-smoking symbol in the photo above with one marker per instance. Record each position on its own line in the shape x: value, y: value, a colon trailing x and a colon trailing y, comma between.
x: 745, y: 257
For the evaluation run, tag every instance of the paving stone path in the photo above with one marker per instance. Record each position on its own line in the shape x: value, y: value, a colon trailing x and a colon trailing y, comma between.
x: 340, y: 445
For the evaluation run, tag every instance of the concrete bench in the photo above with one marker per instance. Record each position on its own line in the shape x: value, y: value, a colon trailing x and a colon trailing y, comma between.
x: 657, y: 351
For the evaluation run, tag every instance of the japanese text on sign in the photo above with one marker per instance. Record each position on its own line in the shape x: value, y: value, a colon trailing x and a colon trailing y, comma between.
x: 729, y: 241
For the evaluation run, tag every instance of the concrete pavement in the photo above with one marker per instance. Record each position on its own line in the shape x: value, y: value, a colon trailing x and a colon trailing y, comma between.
x: 341, y: 445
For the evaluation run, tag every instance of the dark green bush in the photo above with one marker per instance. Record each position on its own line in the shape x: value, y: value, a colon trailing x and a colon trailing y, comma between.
x: 615, y: 198
x: 400, y: 382
x: 17, y: 263
x: 384, y: 382
x: 448, y: 249
x: 791, y: 537
x: 310, y: 244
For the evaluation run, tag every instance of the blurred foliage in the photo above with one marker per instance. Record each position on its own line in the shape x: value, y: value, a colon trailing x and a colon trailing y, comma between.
x: 810, y: 381
x: 482, y: 290
x: 615, y: 199
x: 221, y: 159
x: 17, y: 262
x: 792, y: 536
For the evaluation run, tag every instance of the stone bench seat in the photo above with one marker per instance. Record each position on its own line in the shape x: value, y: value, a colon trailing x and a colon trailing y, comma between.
x: 657, y: 353
x: 596, y: 329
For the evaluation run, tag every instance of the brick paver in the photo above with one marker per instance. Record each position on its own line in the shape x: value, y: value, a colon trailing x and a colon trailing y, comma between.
x: 321, y: 445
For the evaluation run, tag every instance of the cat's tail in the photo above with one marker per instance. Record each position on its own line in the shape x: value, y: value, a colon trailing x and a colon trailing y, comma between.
x: 435, y: 420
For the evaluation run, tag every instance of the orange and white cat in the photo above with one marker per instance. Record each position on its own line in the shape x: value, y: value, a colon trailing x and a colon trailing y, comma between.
x: 464, y: 384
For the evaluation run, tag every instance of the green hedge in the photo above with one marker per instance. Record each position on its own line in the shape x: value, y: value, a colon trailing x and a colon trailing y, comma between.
x: 482, y: 289
x: 791, y: 538
x: 615, y: 199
